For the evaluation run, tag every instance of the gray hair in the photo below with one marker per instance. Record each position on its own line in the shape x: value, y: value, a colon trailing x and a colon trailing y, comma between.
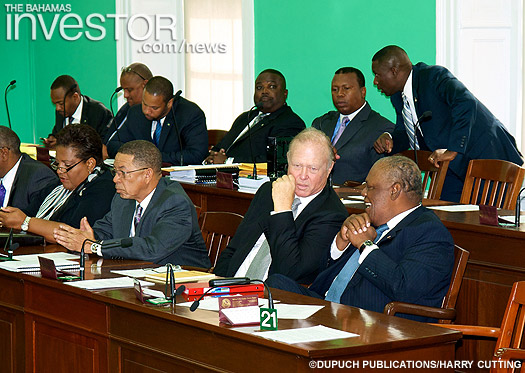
x: 402, y: 170
x: 144, y: 153
x: 313, y: 136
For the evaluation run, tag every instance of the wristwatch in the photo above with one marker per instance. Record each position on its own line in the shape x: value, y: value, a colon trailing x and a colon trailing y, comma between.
x: 25, y: 225
x: 365, y: 245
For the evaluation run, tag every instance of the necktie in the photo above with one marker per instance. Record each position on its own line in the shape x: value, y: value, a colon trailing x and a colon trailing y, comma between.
x: 262, y: 260
x: 340, y: 131
x: 343, y: 278
x: 156, y: 135
x: 138, y: 215
x: 2, y: 193
x: 409, y: 123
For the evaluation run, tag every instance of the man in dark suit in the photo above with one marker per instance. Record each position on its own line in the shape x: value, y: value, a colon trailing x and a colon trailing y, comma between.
x: 23, y: 181
x: 353, y: 128
x: 175, y: 125
x: 290, y: 221
x: 154, y: 211
x: 133, y: 79
x: 460, y: 128
x: 73, y: 107
x: 274, y: 118
x: 396, y: 251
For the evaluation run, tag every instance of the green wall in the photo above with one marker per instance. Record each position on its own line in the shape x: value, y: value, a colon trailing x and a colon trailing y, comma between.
x: 309, y: 40
x: 36, y: 63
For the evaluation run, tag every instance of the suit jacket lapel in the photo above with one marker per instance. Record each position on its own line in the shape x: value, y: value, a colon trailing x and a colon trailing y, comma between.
x: 415, y: 88
x: 354, y: 126
x: 312, y: 206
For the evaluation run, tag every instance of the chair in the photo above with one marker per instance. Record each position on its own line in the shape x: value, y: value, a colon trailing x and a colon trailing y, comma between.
x: 214, y: 137
x: 502, y: 179
x: 447, y: 312
x: 217, y: 230
x: 431, y: 173
x: 510, y: 334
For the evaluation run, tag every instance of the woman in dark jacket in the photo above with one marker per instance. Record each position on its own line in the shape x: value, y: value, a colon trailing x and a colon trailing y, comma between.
x: 86, y: 187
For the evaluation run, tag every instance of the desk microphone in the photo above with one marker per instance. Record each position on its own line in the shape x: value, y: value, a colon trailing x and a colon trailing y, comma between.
x: 125, y: 242
x: 517, y: 213
x: 170, y: 282
x: 13, y: 82
x: 259, y: 106
x: 427, y: 115
x: 9, y: 246
x: 117, y: 90
x: 175, y: 102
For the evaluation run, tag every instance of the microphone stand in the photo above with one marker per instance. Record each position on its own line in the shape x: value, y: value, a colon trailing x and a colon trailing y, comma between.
x: 5, y: 98
x: 9, y: 246
x: 175, y: 102
x: 117, y: 90
x: 170, y: 282
x: 254, y: 173
x: 517, y: 213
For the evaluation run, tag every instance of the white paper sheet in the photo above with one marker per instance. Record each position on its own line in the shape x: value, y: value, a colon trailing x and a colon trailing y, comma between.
x: 139, y: 273
x: 305, y: 335
x: 295, y: 311
x: 456, y: 208
x: 107, y: 283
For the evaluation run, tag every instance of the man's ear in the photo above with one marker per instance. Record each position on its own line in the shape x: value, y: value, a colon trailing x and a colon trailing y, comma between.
x: 395, y: 191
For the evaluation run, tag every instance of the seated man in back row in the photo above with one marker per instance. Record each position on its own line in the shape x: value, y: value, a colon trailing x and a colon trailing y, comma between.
x: 154, y: 211
x: 397, y: 250
x: 290, y: 222
x: 274, y: 118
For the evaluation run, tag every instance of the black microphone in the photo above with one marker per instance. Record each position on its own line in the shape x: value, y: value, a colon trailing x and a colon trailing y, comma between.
x: 13, y: 82
x: 517, y: 213
x: 427, y: 115
x: 9, y: 246
x: 170, y: 282
x: 65, y: 96
x: 175, y: 101
x: 125, y: 242
x: 259, y: 106
x: 117, y: 90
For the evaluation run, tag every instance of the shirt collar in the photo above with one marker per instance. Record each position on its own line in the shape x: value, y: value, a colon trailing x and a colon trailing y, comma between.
x: 145, y: 202
x: 350, y: 116
x: 407, y: 89
x: 397, y: 219
x: 77, y: 115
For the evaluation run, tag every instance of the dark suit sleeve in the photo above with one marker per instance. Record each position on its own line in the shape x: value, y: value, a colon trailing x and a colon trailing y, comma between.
x: 399, y: 135
x: 124, y: 135
x: 425, y: 263
x: 194, y: 135
x: 45, y: 180
x: 300, y: 255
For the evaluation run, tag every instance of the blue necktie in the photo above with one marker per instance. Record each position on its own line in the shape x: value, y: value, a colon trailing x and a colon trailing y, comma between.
x: 2, y: 194
x: 156, y: 135
x: 340, y: 130
x: 343, y: 278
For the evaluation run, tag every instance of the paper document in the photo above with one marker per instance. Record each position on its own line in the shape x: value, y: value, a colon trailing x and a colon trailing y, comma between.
x: 107, y: 283
x: 511, y: 218
x: 455, y: 208
x: 139, y: 273
x: 30, y: 263
x: 295, y: 311
x: 305, y: 335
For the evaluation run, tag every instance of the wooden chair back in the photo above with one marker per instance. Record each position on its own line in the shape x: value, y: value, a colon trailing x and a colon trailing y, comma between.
x: 217, y: 230
x: 431, y: 174
x: 214, y: 137
x: 501, y: 182
x: 509, y: 346
x: 447, y: 312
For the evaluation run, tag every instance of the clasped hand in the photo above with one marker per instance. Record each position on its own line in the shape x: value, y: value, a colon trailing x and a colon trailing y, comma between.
x: 356, y: 229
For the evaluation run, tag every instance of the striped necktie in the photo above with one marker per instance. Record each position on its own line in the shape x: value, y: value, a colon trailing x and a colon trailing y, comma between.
x: 345, y: 275
x: 409, y: 123
x: 340, y: 131
x: 2, y: 193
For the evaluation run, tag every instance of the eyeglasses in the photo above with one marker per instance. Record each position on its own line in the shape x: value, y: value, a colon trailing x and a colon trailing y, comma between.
x: 122, y: 174
x: 130, y: 70
x: 65, y: 170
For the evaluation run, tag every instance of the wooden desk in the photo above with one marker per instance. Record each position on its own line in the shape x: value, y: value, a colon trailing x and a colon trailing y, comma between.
x: 48, y: 326
x: 496, y: 260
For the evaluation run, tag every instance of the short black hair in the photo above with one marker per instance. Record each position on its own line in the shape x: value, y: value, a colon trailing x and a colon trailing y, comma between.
x: 66, y: 82
x: 9, y: 139
x: 84, y: 139
x: 275, y: 72
x: 388, y: 53
x: 145, y: 154
x: 350, y: 70
x: 160, y: 86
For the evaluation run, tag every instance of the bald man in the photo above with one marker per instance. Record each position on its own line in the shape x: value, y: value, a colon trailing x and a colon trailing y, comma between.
x: 460, y: 129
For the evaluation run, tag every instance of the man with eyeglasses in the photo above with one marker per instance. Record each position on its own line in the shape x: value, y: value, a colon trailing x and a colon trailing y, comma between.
x: 154, y: 211
x: 290, y: 223
x: 73, y: 107
x: 23, y: 180
x: 175, y: 125
x: 397, y: 250
x: 133, y: 79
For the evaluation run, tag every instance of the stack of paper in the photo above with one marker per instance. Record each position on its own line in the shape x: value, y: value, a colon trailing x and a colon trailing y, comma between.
x: 30, y: 263
x: 247, y: 185
x: 200, y: 174
x: 181, y: 276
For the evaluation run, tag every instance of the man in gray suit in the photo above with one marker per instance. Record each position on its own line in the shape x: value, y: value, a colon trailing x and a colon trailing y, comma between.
x: 154, y: 211
x: 352, y: 127
x: 23, y: 181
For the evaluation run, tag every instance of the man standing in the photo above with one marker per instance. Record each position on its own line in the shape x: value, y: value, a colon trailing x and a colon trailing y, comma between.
x: 23, y: 181
x: 353, y: 128
x: 175, y: 125
x: 154, y: 211
x: 290, y: 222
x: 397, y: 250
x: 73, y: 107
x: 133, y: 79
x: 460, y: 127
x: 273, y: 119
